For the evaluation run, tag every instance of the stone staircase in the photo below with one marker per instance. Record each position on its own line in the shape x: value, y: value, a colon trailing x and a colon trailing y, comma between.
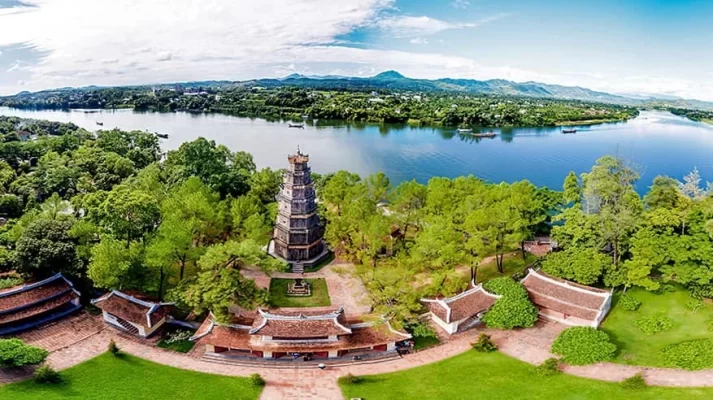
x: 469, y: 323
x: 287, y: 363
x: 127, y: 327
x: 298, y: 268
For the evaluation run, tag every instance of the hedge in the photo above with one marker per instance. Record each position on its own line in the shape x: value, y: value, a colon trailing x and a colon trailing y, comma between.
x: 692, y: 355
x: 582, y: 345
x: 513, y: 309
x: 15, y: 353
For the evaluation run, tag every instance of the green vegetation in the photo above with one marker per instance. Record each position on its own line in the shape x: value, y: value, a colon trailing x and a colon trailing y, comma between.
x: 497, y: 376
x: 549, y: 367
x: 635, y: 382
x: 514, y: 309
x: 693, y: 354
x: 131, y: 378
x: 280, y: 298
x: 581, y: 345
x: 10, y: 282
x: 513, y: 263
x: 654, y: 324
x: 629, y: 302
x: 695, y: 115
x: 484, y: 344
x: 423, y: 336
x: 177, y: 340
x: 635, y: 347
x: 15, y: 353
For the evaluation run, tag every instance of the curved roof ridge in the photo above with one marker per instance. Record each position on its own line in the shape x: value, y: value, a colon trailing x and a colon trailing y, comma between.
x: 34, y: 285
x: 567, y: 302
x: 578, y: 288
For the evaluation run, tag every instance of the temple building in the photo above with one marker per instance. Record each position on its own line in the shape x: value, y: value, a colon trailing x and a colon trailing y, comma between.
x: 298, y: 237
x: 462, y: 311
x: 132, y: 315
x: 567, y: 302
x: 28, y: 306
x: 317, y: 334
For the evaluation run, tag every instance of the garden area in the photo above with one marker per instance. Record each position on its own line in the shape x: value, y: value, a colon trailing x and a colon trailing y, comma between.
x: 126, y: 377
x: 177, y: 339
x: 496, y: 376
x: 663, y: 319
x: 513, y: 263
x: 319, y: 296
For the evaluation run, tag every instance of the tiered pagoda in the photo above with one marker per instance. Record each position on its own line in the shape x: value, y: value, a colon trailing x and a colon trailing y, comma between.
x: 298, y: 237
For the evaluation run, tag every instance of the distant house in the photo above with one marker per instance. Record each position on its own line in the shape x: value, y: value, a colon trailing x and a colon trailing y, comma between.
x: 24, y: 136
x: 28, y: 306
x: 127, y: 313
x: 567, y: 302
x: 461, y: 311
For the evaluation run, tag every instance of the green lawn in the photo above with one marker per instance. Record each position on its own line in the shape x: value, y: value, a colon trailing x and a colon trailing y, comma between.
x: 279, y: 297
x: 474, y: 375
x: 118, y: 378
x: 637, y: 348
x: 512, y: 264
x: 424, y: 342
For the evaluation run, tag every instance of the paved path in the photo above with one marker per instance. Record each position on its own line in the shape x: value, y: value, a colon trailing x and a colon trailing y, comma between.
x: 529, y: 345
x: 345, y: 290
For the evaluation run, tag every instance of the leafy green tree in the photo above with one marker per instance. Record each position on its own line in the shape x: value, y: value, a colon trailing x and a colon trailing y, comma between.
x: 572, y: 191
x: 129, y: 213
x: 663, y: 193
x: 265, y: 184
x: 513, y: 309
x: 378, y: 187
x: 581, y: 345
x: 583, y: 265
x: 46, y: 248
x: 408, y: 204
x: 10, y: 206
x: 114, y: 265
x: 219, y: 283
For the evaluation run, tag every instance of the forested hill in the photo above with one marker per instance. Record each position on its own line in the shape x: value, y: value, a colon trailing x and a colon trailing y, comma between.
x: 393, y: 80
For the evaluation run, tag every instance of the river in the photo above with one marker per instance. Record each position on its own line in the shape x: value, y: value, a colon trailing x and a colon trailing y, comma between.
x: 655, y: 143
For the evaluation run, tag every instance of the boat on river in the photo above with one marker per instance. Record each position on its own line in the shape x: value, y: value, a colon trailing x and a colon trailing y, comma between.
x: 162, y: 135
x: 465, y: 130
x: 100, y: 123
x: 298, y: 126
x: 569, y: 131
x: 484, y: 135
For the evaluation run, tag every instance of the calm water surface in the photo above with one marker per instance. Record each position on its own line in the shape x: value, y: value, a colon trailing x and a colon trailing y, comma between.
x: 656, y: 143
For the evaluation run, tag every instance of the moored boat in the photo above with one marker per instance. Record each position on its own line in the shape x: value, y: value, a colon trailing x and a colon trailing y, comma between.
x: 299, y: 126
x: 485, y: 135
x: 567, y: 131
x: 464, y: 130
x: 162, y: 135
x: 100, y: 123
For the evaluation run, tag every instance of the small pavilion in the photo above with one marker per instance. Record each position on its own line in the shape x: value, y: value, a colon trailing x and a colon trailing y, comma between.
x: 462, y: 311
x: 567, y: 302
x: 135, y: 316
x: 318, y: 334
x: 28, y: 306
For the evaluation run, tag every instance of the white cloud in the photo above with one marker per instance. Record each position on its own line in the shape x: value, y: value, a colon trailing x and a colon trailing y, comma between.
x: 408, y: 26
x: 418, y: 40
x: 460, y: 4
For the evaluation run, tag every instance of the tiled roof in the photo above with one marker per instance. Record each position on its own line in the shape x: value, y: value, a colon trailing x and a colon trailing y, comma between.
x: 563, y: 296
x: 38, y: 309
x: 239, y: 337
x: 28, y: 300
x: 132, y: 309
x: 461, y: 306
x: 300, y: 324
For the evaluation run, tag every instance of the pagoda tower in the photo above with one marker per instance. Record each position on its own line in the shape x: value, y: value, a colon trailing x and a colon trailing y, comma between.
x: 298, y: 238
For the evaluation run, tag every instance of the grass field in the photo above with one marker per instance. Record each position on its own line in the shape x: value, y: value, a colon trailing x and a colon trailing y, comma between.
x: 512, y: 263
x: 130, y: 378
x: 474, y: 375
x: 635, y: 347
x: 279, y: 297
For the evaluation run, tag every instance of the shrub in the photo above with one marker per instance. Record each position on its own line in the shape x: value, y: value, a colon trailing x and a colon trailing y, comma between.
x: 710, y: 324
x: 692, y: 355
x: 581, y: 345
x: 511, y: 312
x: 46, y: 374
x: 113, y: 348
x: 484, y: 344
x: 353, y: 379
x: 694, y: 305
x: 654, y: 324
x: 634, y: 382
x: 549, y: 367
x: 15, y: 353
x: 506, y: 287
x: 256, y: 380
x: 9, y: 282
x: 423, y: 331
x: 178, y: 336
x: 514, y: 309
x: 629, y: 302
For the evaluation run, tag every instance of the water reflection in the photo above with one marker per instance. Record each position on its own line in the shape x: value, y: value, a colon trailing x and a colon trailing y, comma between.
x: 659, y: 143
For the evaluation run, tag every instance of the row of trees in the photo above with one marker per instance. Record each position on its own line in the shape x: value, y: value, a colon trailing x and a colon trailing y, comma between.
x: 612, y: 236
x: 431, y: 108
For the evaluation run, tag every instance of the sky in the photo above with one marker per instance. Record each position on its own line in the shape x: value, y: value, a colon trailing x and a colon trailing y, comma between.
x: 629, y: 47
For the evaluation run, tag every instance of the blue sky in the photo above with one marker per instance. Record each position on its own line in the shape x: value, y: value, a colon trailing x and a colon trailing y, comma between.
x: 632, y: 46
